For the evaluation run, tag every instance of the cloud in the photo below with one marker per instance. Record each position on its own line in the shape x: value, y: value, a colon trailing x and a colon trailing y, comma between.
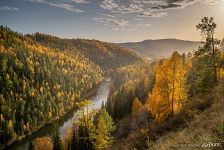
x: 109, y: 5
x: 8, y: 8
x: 152, y: 14
x: 148, y: 8
x: 59, y: 4
x: 112, y: 6
x: 212, y: 2
x: 124, y: 29
x: 143, y: 24
x: 139, y: 10
x: 111, y: 21
x: 80, y: 1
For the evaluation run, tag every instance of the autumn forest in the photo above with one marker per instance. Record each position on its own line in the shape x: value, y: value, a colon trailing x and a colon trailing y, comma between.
x: 161, y: 103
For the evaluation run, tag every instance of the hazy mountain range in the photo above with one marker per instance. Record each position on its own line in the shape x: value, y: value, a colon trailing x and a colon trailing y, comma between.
x: 161, y: 48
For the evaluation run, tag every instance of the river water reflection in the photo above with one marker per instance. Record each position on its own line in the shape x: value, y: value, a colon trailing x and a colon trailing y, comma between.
x: 66, y: 123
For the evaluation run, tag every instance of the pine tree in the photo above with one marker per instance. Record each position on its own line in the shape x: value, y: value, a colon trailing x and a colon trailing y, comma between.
x: 30, y: 146
x: 208, y: 57
x: 82, y: 140
x: 57, y: 142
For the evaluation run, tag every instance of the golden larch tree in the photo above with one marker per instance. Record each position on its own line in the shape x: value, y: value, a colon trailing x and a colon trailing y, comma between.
x: 170, y: 90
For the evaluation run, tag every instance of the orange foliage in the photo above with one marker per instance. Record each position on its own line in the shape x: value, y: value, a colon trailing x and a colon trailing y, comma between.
x: 169, y: 91
x: 43, y: 143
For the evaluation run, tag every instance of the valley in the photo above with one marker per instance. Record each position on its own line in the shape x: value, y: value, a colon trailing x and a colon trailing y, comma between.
x: 60, y: 93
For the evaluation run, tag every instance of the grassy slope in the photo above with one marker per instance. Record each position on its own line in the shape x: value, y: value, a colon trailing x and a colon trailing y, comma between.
x: 201, y: 129
x: 196, y: 124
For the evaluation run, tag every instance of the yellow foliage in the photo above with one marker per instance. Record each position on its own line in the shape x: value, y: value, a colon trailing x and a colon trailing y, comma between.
x: 136, y: 106
x: 32, y: 92
x: 10, y: 125
x: 49, y: 115
x: 24, y: 127
x: 27, y: 126
x: 221, y: 73
x: 24, y: 86
x: 41, y: 90
x: 59, y: 94
x: 2, y: 117
x: 169, y: 91
x: 2, y: 48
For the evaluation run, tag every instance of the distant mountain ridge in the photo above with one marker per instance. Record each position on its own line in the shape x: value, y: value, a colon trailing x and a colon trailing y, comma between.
x: 161, y: 47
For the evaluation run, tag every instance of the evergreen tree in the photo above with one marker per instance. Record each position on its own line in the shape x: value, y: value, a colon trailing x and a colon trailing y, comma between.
x: 30, y: 146
x: 208, y: 57
x: 102, y: 105
x: 94, y: 130
x: 57, y: 142
x: 39, y: 84
x: 85, y: 127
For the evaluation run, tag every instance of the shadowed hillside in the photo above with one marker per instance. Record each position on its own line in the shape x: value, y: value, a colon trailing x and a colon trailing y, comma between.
x: 106, y: 55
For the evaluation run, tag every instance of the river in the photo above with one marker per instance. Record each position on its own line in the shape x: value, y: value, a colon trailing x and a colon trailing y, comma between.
x: 65, y: 124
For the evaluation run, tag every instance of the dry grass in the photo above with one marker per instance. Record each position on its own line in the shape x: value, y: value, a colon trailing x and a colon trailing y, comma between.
x: 201, y: 129
x: 195, y: 124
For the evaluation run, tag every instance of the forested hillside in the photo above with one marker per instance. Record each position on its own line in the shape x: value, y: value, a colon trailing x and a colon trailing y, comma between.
x: 183, y: 105
x: 129, y: 83
x: 108, y: 56
x: 41, y: 77
x: 38, y: 84
x: 151, y: 104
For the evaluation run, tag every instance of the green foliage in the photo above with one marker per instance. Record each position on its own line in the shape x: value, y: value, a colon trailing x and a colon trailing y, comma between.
x: 93, y: 130
x: 207, y: 58
x: 104, y: 128
x: 30, y: 147
x: 57, y: 142
x: 108, y: 56
x: 42, y: 76
x: 39, y: 84
x: 129, y: 82
x: 84, y: 127
x: 149, y: 143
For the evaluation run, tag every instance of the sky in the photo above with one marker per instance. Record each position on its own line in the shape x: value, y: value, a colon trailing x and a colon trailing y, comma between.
x: 112, y: 20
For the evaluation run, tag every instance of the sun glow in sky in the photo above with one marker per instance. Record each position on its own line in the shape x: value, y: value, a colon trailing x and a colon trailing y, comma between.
x: 112, y: 20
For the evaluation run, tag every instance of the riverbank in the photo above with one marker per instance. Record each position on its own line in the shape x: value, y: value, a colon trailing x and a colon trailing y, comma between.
x: 49, y: 127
